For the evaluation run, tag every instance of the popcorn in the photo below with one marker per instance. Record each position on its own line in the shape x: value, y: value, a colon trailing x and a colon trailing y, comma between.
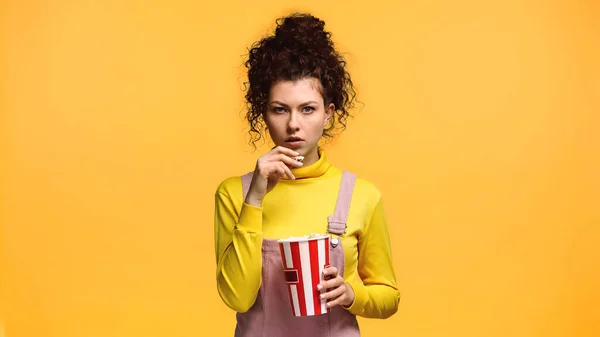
x: 306, y: 237
x: 299, y: 158
x: 304, y: 259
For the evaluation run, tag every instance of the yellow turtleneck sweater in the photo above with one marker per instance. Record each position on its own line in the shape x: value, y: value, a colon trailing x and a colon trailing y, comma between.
x: 300, y: 207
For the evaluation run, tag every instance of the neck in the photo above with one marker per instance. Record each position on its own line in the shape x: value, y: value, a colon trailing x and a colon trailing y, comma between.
x: 311, y: 157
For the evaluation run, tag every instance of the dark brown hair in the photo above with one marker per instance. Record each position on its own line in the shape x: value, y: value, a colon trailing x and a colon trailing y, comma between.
x: 300, y: 48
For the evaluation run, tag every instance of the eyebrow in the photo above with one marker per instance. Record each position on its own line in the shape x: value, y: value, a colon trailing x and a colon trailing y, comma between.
x: 287, y: 106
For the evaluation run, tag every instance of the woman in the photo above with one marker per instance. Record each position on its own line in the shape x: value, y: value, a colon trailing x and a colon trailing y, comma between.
x: 299, y: 91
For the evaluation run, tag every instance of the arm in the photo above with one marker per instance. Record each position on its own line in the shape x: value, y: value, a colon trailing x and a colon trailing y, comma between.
x: 238, y: 245
x: 238, y: 240
x: 375, y: 293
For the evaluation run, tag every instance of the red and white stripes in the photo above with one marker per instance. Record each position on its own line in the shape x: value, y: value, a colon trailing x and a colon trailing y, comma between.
x: 303, y: 262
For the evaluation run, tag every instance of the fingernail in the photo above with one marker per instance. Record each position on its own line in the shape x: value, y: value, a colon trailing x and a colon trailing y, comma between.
x: 319, y: 287
x: 322, y: 296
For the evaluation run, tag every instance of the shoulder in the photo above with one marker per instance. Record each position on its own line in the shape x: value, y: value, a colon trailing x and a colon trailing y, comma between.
x: 366, y: 189
x: 230, y: 186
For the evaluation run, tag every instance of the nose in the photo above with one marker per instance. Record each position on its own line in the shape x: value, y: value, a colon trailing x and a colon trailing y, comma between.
x: 293, y: 123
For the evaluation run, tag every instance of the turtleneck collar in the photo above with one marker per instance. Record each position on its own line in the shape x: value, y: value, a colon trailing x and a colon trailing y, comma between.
x: 315, y: 169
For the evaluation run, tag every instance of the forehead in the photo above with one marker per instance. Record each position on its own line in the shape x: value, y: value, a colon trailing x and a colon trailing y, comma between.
x: 296, y: 92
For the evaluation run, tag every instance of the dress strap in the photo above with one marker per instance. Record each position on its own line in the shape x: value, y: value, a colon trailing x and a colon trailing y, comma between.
x: 337, y: 222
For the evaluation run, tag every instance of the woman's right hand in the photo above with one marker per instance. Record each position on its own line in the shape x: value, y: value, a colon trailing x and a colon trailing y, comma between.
x: 270, y: 168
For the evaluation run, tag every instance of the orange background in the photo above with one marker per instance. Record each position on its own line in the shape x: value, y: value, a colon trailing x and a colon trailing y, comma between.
x: 480, y: 126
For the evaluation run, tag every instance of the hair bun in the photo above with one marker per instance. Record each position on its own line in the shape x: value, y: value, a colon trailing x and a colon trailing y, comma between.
x: 302, y: 31
x: 299, y: 49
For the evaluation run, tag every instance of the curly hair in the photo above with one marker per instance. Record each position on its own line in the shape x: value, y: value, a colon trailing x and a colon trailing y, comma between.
x: 300, y: 48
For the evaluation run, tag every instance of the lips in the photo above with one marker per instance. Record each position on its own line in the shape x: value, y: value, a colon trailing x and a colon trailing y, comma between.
x: 294, y: 139
x: 294, y: 142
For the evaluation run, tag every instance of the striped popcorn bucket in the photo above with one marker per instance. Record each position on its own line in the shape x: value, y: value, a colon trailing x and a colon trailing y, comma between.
x: 304, y: 260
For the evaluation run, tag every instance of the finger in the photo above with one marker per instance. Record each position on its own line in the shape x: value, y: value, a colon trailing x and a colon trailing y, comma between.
x: 287, y: 171
x: 280, y: 170
x: 333, y: 283
x: 288, y: 160
x: 337, y: 301
x: 286, y: 151
x: 334, y: 293
x: 330, y: 272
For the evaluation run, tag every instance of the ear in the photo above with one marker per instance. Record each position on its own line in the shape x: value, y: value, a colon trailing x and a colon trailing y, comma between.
x: 329, y: 113
x: 265, y: 121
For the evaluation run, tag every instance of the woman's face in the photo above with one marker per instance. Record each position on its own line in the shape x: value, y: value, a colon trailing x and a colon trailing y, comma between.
x: 296, y: 116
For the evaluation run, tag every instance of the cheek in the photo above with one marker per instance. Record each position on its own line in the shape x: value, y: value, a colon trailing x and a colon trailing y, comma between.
x: 276, y: 127
x: 317, y: 128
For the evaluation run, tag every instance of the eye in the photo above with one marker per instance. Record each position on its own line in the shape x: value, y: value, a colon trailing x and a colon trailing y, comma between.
x: 278, y: 109
x: 308, y: 109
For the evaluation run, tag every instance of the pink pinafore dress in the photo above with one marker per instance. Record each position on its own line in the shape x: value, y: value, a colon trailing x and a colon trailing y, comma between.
x: 271, y: 314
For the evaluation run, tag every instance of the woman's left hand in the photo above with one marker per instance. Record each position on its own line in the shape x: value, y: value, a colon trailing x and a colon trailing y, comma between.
x: 337, y: 292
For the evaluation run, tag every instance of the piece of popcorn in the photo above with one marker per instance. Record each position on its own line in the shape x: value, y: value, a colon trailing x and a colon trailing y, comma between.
x: 299, y: 158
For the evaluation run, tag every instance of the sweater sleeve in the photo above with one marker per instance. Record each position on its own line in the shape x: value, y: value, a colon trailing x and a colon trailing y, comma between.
x: 238, y: 242
x: 375, y: 294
